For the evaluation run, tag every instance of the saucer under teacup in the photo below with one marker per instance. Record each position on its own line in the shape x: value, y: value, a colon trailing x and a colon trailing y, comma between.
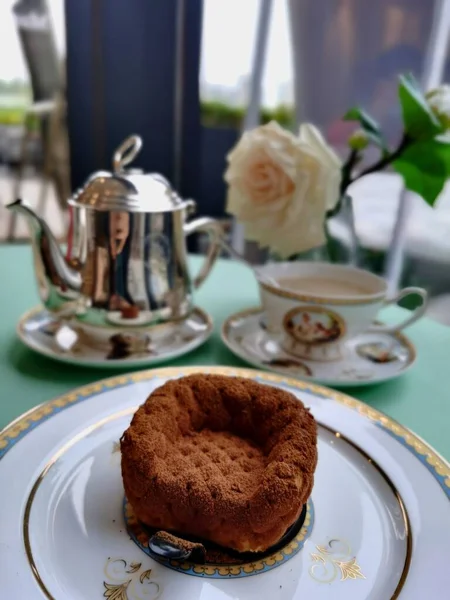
x: 368, y: 358
x: 70, y: 342
x: 319, y: 309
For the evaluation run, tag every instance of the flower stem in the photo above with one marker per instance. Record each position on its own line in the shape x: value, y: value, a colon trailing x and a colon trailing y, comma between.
x: 331, y: 246
x: 354, y: 158
x: 347, y: 169
x: 346, y: 180
x: 385, y: 160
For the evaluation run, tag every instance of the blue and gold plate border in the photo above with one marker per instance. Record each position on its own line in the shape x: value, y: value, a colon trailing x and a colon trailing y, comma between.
x: 259, y: 565
x: 432, y: 461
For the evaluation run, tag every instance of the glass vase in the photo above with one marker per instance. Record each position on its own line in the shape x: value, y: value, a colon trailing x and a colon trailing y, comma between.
x: 341, y: 245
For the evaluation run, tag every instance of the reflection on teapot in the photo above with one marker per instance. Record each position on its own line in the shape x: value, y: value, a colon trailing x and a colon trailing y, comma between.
x: 128, y: 261
x: 119, y: 231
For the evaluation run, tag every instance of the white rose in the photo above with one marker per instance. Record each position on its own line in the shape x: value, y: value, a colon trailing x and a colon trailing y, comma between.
x: 439, y: 102
x: 281, y: 186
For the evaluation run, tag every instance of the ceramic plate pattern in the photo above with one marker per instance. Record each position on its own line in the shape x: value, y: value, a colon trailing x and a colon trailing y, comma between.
x: 66, y: 342
x: 370, y: 357
x: 218, y: 571
x: 381, y: 507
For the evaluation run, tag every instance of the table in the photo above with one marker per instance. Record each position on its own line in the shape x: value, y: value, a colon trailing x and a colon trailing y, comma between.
x: 420, y: 399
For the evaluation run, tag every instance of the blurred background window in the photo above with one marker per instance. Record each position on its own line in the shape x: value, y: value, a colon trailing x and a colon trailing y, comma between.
x: 322, y: 57
x: 349, y: 52
x: 228, y: 43
x: 228, y: 40
x: 34, y: 158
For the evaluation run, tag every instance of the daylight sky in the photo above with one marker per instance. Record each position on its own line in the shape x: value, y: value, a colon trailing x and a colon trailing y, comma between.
x: 12, y: 65
x: 228, y: 38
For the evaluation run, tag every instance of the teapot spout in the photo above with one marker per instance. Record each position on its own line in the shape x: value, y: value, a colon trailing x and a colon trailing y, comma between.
x: 54, y: 275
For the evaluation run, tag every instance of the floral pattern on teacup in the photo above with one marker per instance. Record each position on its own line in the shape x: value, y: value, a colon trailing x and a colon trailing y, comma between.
x: 313, y: 325
x: 377, y: 352
x: 289, y: 364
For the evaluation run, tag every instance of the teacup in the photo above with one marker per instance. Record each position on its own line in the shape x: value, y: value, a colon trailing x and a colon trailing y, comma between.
x: 317, y: 307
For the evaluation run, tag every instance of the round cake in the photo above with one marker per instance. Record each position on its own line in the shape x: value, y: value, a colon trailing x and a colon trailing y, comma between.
x: 225, y: 459
x: 130, y: 311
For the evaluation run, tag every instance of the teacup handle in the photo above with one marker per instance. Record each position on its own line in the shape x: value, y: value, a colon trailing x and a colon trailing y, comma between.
x: 215, y: 231
x: 417, y: 314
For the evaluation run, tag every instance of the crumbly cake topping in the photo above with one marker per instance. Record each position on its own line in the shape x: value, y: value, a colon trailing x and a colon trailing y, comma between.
x: 221, y: 452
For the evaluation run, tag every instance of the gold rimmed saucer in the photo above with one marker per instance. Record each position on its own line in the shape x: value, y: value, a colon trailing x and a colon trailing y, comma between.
x: 74, y: 343
x: 369, y: 358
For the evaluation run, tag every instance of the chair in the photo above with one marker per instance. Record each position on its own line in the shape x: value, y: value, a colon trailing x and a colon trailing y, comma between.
x: 48, y: 108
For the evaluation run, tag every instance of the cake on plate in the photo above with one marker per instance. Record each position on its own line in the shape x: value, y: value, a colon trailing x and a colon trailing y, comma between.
x: 226, y: 459
x: 130, y: 311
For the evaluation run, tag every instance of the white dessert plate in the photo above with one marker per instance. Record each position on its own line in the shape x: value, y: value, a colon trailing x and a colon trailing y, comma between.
x: 70, y: 342
x: 377, y: 524
x: 368, y: 358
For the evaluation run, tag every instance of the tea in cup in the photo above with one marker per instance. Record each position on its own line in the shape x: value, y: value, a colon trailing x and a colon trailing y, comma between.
x: 317, y: 307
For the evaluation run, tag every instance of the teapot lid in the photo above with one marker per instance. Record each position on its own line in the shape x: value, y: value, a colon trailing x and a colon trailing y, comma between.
x: 129, y: 190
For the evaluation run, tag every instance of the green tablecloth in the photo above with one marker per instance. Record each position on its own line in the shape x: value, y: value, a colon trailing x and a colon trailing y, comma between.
x: 420, y: 399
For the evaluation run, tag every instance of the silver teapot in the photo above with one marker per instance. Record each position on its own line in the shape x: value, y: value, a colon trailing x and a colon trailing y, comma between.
x: 127, y: 259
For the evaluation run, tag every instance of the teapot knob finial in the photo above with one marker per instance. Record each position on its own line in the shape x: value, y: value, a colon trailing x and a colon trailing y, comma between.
x: 126, y: 152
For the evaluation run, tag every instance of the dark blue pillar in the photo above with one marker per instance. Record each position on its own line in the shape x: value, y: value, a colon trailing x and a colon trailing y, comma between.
x: 121, y: 66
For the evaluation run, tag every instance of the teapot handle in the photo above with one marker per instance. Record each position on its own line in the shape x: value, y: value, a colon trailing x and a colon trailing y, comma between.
x: 215, y: 231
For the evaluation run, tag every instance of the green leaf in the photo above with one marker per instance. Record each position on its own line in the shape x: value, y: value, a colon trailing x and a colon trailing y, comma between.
x: 378, y: 140
x: 425, y: 167
x: 419, y: 121
x: 368, y: 124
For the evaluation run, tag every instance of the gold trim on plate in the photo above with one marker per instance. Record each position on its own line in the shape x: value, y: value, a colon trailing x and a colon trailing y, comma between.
x: 23, y: 423
x: 251, y: 312
x: 26, y: 517
x: 332, y: 559
x: 67, y: 357
x: 405, y: 516
x: 129, y: 581
x: 196, y: 310
x: 199, y: 568
x: 214, y: 570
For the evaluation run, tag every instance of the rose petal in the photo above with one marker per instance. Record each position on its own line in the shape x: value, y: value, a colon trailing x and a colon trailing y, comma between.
x: 280, y: 186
